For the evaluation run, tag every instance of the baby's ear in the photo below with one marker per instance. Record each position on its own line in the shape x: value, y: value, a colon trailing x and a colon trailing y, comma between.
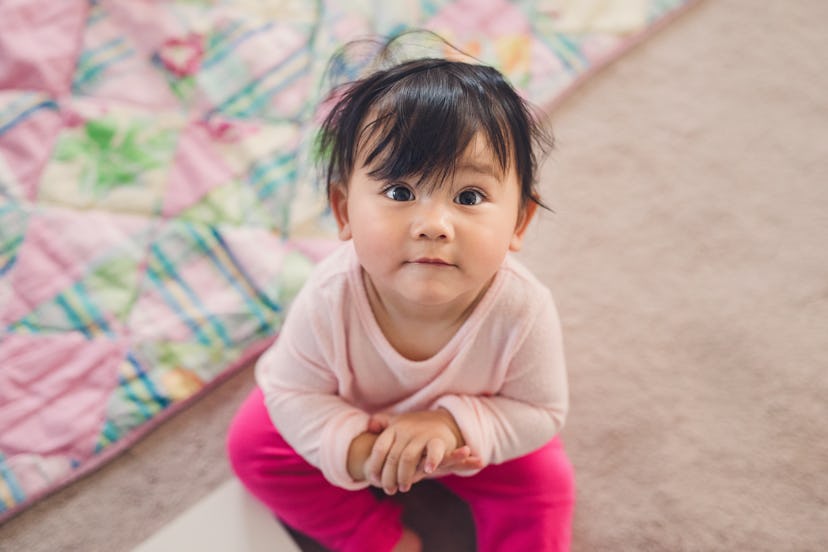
x: 339, y: 205
x: 524, y: 218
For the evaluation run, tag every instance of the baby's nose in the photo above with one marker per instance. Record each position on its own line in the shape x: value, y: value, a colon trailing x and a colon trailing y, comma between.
x: 433, y: 222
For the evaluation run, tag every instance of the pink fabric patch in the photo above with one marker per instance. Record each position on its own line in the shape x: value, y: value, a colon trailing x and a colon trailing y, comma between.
x: 489, y: 18
x: 54, y: 391
x: 39, y: 43
x: 198, y: 168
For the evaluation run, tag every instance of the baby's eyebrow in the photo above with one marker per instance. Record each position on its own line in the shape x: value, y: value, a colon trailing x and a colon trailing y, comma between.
x: 478, y: 167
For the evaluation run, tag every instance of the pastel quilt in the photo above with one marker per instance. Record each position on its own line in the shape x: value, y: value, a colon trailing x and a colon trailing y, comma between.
x: 157, y: 211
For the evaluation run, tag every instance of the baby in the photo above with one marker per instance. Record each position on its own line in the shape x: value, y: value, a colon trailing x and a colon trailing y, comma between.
x: 419, y: 348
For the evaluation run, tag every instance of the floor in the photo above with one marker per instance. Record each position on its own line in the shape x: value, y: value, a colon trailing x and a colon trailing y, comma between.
x: 227, y: 519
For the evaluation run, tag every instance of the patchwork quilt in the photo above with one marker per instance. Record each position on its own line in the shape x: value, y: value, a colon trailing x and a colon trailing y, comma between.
x: 158, y: 210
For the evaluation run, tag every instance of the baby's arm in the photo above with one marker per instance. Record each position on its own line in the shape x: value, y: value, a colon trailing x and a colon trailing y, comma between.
x: 358, y: 454
x: 531, y: 404
x: 416, y: 445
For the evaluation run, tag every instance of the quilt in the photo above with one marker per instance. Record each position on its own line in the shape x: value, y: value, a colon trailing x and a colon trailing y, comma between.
x: 158, y: 210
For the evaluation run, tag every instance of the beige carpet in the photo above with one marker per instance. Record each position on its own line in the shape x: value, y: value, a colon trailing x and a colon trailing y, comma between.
x: 689, y: 256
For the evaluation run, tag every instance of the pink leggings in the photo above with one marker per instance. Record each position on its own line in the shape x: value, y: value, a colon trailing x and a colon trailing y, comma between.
x: 523, y: 504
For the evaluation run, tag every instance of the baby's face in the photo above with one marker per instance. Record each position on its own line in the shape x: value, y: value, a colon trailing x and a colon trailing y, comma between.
x: 440, y: 247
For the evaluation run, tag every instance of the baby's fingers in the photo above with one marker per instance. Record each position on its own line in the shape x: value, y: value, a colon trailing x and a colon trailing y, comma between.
x: 376, y: 460
x: 458, y: 460
x: 470, y: 463
x: 410, y: 461
x: 451, y: 459
x: 435, y: 453
x: 379, y: 422
x: 459, y: 454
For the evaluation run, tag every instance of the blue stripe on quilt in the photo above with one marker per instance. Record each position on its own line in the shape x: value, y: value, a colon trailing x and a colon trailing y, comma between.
x: 230, y: 272
x: 239, y: 267
x: 81, y: 312
x: 225, y: 268
x: 8, y: 251
x: 216, y: 40
x: 23, y: 324
x: 10, y: 483
x: 266, y: 176
x: 21, y: 110
x: 213, y: 321
x: 132, y: 378
x: 92, y: 63
x: 158, y: 281
x: 91, y: 309
x: 568, y: 52
x: 168, y: 267
x: 110, y: 432
x: 159, y: 398
x: 139, y: 376
x: 283, y: 74
x: 9, y: 246
x: 218, y: 51
x: 126, y: 387
x: 74, y: 318
x: 281, y: 82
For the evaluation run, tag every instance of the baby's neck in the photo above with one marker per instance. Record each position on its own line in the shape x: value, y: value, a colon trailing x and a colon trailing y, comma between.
x: 417, y: 332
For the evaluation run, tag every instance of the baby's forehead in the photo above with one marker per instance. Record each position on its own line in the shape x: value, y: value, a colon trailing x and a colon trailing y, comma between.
x: 478, y: 156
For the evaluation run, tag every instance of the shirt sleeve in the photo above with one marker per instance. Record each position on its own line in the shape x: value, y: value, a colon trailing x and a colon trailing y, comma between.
x: 300, y: 388
x: 531, y: 406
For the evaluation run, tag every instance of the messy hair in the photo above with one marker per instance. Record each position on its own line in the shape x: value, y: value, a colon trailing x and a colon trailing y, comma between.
x: 417, y: 118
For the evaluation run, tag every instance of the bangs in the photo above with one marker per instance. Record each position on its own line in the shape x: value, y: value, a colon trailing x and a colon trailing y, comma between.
x: 423, y: 125
x: 416, y: 121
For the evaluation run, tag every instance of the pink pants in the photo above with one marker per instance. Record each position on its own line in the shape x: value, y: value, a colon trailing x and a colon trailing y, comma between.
x: 523, y: 504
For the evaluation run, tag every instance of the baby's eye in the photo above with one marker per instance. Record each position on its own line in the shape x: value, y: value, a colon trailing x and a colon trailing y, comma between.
x: 469, y: 197
x: 398, y: 192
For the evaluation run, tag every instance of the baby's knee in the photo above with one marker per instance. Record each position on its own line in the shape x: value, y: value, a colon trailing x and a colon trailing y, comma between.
x: 240, y: 450
x: 251, y: 440
x: 561, y: 474
x: 550, y: 473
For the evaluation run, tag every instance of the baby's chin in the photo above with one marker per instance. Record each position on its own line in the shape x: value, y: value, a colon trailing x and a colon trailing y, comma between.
x: 430, y: 296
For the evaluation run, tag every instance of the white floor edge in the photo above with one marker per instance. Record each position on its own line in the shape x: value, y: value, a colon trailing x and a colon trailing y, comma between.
x: 226, y: 519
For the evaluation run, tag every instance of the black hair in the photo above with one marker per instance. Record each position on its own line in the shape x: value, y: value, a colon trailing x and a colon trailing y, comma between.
x: 417, y: 119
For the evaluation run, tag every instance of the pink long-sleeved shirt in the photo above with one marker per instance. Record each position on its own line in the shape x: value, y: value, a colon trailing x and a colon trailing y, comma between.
x: 502, y: 376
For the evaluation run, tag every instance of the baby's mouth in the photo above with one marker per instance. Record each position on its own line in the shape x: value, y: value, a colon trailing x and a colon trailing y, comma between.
x: 431, y: 261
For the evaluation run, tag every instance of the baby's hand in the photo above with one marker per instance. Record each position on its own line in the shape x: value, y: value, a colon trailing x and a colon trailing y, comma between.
x: 458, y: 460
x: 413, y: 446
